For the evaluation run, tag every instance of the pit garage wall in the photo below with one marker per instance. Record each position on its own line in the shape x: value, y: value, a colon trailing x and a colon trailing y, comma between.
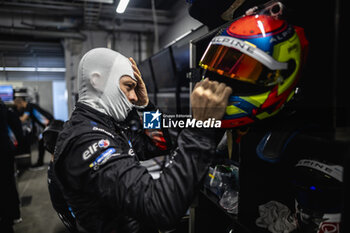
x: 183, y: 24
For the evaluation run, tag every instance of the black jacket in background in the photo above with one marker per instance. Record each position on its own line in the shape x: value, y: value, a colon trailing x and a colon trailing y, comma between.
x: 9, y: 203
x: 109, y: 191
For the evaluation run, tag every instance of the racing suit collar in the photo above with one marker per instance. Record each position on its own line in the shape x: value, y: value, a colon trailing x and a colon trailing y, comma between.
x: 96, y: 116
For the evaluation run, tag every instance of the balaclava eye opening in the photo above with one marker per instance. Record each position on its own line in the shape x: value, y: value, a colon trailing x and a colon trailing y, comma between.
x: 99, y: 74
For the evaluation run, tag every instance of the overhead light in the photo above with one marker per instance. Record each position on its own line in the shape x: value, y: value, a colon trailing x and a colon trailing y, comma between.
x: 48, y: 69
x: 122, y: 6
x: 33, y: 69
x: 18, y: 68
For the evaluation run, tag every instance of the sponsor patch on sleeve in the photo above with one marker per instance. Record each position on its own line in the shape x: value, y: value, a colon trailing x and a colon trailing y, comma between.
x: 92, y: 149
x: 103, y: 158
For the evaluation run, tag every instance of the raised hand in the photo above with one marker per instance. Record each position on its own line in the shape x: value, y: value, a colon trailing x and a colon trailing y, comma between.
x: 140, y: 88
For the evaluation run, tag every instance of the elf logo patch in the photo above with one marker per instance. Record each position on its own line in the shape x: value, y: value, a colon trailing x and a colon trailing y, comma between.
x: 104, y: 143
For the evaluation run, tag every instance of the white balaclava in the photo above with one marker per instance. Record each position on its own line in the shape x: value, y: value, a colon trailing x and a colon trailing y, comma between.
x: 99, y: 74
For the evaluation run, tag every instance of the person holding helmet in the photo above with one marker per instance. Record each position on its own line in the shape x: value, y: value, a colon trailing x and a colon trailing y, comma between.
x: 96, y: 160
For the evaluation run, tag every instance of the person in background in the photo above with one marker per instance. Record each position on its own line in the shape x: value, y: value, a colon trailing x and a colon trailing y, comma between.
x: 9, y: 203
x: 38, y: 115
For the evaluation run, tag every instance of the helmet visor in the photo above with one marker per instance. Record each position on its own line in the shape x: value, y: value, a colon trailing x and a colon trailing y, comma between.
x: 233, y: 63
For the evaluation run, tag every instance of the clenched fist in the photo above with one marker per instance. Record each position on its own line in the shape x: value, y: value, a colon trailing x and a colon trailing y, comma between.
x: 209, y: 100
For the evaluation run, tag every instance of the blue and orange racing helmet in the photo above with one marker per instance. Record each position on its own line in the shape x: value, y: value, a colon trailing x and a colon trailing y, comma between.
x: 262, y: 52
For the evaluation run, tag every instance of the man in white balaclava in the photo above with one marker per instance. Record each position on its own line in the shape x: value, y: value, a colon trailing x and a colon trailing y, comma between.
x: 97, y: 156
x: 99, y: 74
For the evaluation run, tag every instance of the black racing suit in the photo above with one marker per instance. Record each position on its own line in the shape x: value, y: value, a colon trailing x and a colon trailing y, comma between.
x: 96, y: 164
